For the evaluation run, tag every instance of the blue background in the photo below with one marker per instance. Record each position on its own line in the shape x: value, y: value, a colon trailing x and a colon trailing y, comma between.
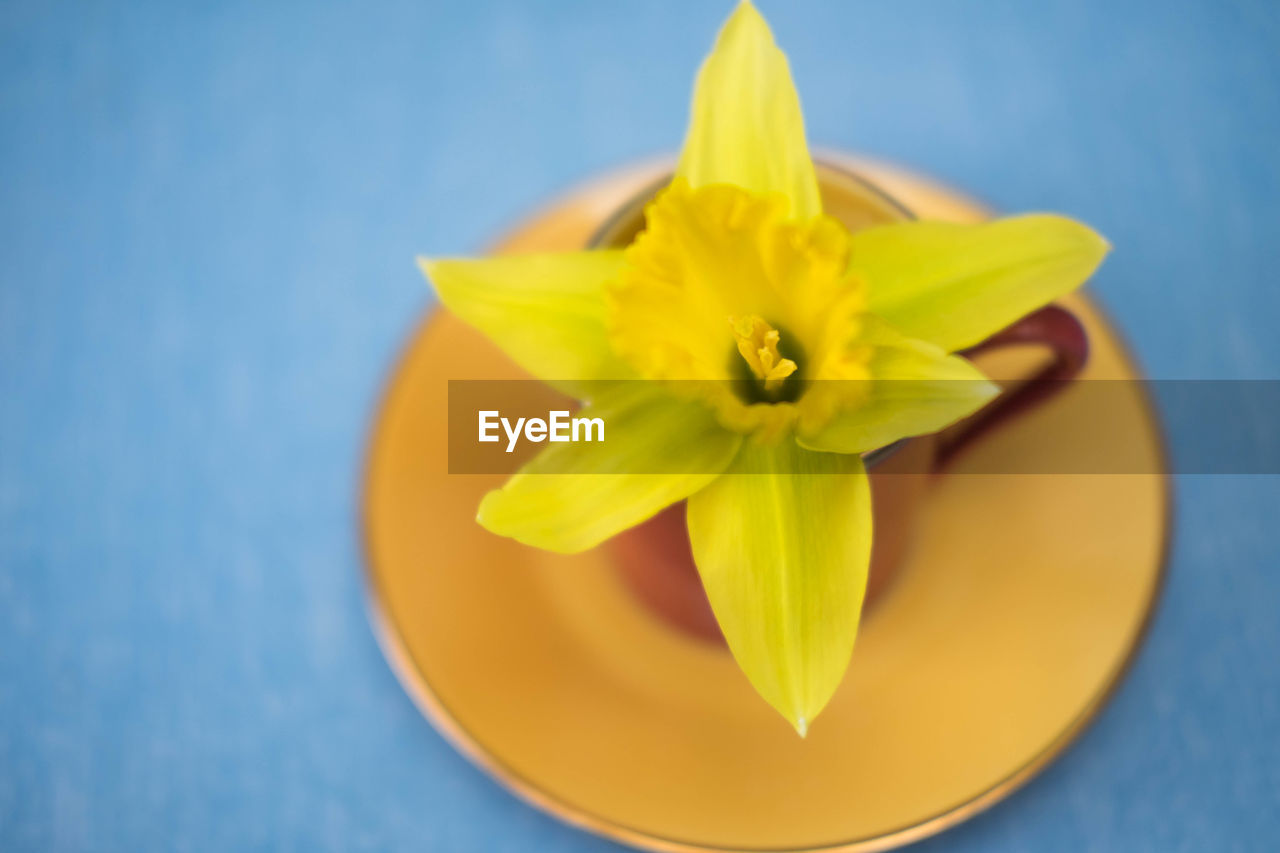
x: 208, y: 214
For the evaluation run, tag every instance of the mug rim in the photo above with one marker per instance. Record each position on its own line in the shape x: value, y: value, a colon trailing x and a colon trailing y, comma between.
x: 634, y: 205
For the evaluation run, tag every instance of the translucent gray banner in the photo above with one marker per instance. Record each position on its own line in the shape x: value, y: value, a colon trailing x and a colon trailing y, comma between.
x: 1049, y: 427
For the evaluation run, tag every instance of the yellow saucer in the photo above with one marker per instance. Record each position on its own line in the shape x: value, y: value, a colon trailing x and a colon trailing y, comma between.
x: 1022, y: 604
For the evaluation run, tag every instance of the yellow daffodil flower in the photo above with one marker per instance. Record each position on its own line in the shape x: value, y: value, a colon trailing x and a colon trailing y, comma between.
x: 810, y: 346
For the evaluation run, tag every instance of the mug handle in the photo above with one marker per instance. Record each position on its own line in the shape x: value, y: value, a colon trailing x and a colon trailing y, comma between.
x: 1053, y: 327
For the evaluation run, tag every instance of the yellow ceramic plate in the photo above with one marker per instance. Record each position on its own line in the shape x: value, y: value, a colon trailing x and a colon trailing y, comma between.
x: 1023, y: 602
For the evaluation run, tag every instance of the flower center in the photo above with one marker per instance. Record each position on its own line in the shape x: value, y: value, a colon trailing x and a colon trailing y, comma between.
x: 758, y: 345
x: 718, y: 254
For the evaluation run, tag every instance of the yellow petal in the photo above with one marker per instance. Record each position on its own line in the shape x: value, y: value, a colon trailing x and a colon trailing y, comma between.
x: 572, y: 496
x: 782, y: 542
x: 544, y: 311
x: 746, y: 127
x: 956, y: 285
x: 914, y: 388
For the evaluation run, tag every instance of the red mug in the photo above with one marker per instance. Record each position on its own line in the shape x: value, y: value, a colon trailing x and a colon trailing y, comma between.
x: 654, y: 558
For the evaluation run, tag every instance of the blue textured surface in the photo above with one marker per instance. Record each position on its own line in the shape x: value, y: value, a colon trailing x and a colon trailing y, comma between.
x: 207, y: 221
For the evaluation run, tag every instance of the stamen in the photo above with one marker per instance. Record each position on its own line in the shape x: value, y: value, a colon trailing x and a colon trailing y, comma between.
x: 758, y: 344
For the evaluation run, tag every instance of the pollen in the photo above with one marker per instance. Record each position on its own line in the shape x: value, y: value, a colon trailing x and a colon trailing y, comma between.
x: 758, y: 344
